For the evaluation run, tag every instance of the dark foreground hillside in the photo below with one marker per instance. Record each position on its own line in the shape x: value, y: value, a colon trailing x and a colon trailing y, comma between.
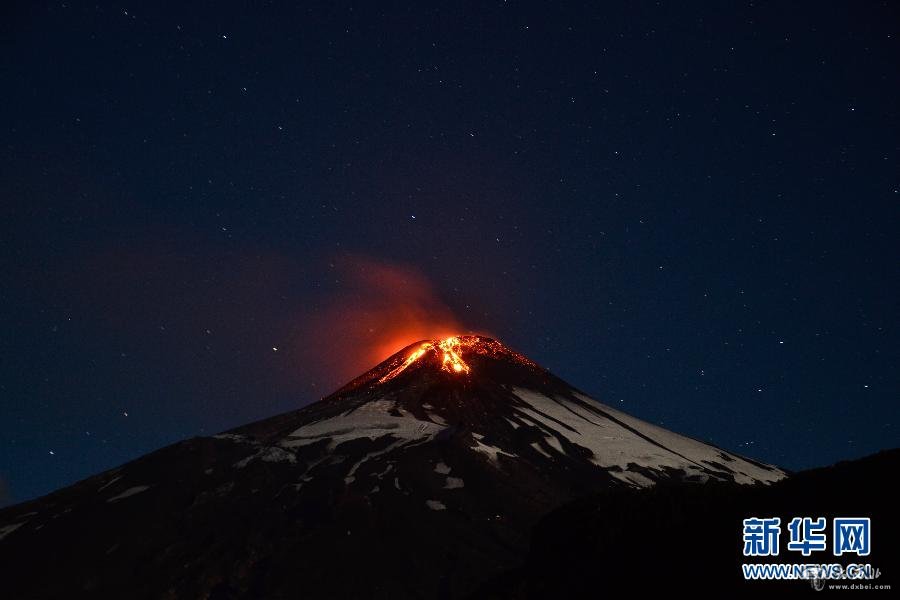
x: 689, y: 537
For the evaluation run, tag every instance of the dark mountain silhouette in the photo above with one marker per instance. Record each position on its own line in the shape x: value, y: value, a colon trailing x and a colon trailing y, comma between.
x: 688, y: 538
x: 421, y: 478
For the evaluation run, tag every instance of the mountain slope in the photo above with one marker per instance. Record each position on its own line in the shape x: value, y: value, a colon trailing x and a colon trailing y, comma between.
x: 422, y: 477
x: 689, y: 537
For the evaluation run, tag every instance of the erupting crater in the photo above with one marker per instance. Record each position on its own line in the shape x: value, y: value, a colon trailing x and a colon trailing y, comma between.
x: 449, y: 353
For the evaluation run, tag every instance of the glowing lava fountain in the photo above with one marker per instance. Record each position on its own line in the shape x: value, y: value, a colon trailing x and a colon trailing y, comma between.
x: 449, y: 349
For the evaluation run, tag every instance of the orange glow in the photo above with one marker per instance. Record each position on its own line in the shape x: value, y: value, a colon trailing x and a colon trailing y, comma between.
x: 452, y: 348
x: 449, y: 349
x: 453, y: 355
x: 378, y: 309
x: 416, y: 355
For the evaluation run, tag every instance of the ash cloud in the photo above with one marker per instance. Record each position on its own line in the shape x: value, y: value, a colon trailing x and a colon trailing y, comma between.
x: 378, y: 308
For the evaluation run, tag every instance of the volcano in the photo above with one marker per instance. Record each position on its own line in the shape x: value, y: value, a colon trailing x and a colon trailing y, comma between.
x: 420, y: 478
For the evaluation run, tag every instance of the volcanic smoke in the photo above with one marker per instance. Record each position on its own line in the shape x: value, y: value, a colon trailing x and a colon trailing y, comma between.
x: 380, y: 309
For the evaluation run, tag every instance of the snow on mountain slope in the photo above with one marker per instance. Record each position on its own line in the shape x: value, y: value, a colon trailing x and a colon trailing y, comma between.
x: 620, y: 440
x: 627, y: 448
x: 441, y: 458
x: 372, y: 421
x: 496, y: 404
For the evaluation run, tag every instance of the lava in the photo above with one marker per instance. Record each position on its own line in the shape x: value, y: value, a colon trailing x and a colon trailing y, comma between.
x: 451, y: 361
x: 453, y: 355
x: 449, y: 353
x: 379, y: 308
x: 449, y: 349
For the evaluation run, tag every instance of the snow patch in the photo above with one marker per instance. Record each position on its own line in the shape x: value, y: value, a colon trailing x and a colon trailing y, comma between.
x: 372, y: 420
x: 435, y: 505
x: 275, y: 454
x: 244, y: 462
x: 632, y: 478
x: 387, y: 469
x: 537, y: 446
x: 744, y: 472
x: 8, y: 529
x: 350, y: 478
x: 224, y: 489
x: 616, y: 439
x: 130, y: 492
x: 490, y: 451
x: 234, y: 437
x: 108, y: 483
x: 437, y: 418
x: 268, y: 454
x: 454, y: 483
x: 441, y: 468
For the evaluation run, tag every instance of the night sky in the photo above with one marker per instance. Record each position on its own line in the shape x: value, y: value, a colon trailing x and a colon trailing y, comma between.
x: 213, y: 215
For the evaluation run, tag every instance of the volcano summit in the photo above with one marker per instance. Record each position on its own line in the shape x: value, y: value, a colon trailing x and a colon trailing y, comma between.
x: 421, y: 477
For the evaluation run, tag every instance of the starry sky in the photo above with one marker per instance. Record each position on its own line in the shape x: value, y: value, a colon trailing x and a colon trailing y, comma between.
x: 211, y: 214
